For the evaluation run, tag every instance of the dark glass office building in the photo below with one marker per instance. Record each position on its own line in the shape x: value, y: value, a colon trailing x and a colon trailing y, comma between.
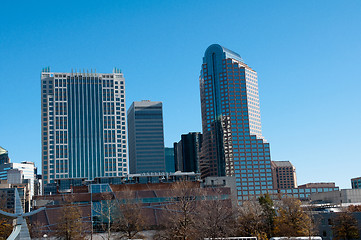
x: 146, y: 137
x: 187, y: 152
x: 233, y: 144
x: 83, y: 125
x: 169, y: 159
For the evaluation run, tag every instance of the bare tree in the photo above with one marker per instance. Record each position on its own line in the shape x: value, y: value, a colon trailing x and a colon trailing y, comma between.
x: 36, y: 228
x: 180, y: 219
x: 69, y: 225
x: 251, y: 220
x: 104, y: 214
x: 130, y: 219
x: 215, y: 217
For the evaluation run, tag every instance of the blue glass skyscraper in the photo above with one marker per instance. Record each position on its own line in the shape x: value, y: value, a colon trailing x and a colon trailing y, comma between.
x: 233, y: 144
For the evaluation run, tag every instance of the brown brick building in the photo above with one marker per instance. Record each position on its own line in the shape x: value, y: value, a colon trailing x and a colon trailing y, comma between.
x: 284, y: 175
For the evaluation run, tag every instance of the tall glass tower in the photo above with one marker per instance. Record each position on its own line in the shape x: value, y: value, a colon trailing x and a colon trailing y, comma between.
x: 146, y: 137
x: 83, y: 125
x: 233, y: 144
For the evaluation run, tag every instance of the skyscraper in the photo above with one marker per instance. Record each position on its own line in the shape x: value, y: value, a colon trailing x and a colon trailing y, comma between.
x: 187, y: 152
x: 146, y: 137
x: 83, y: 125
x: 233, y: 144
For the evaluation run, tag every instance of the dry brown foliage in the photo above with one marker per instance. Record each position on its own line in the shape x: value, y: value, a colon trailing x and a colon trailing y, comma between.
x: 292, y: 220
x: 345, y: 226
x: 69, y: 225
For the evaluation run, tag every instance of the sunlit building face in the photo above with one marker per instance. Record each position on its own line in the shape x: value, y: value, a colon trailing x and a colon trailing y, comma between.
x: 233, y: 144
x: 83, y: 125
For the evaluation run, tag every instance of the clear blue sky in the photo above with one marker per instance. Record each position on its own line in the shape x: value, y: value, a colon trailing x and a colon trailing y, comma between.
x: 307, y: 55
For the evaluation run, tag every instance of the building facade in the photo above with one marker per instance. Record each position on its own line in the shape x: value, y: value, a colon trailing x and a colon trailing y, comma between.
x: 146, y: 137
x: 18, y: 173
x: 4, y: 156
x: 318, y: 185
x: 83, y: 125
x: 341, y: 197
x: 356, y: 183
x: 155, y: 199
x: 169, y: 159
x: 187, y: 152
x: 7, y: 194
x: 233, y: 144
x: 284, y: 175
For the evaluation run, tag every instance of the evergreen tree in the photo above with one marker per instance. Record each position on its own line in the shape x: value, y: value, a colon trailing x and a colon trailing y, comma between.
x: 269, y: 213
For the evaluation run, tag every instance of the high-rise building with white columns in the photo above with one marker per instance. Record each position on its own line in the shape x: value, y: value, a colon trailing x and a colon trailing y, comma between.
x: 83, y: 125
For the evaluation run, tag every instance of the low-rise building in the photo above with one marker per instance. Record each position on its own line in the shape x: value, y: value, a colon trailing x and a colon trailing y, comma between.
x: 23, y: 171
x: 154, y: 199
x: 343, y: 196
x: 68, y: 185
x: 356, y: 183
x: 301, y: 193
x: 7, y: 193
x: 318, y: 185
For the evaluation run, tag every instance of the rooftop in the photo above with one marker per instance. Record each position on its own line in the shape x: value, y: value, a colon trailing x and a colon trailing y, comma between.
x: 282, y: 163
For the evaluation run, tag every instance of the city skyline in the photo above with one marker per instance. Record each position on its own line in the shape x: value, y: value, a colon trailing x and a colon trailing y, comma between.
x: 291, y: 45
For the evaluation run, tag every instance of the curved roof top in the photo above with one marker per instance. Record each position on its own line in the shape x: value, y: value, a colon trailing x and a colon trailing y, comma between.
x: 227, y: 53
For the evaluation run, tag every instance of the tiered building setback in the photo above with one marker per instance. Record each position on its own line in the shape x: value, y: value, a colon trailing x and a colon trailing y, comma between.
x: 233, y: 144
